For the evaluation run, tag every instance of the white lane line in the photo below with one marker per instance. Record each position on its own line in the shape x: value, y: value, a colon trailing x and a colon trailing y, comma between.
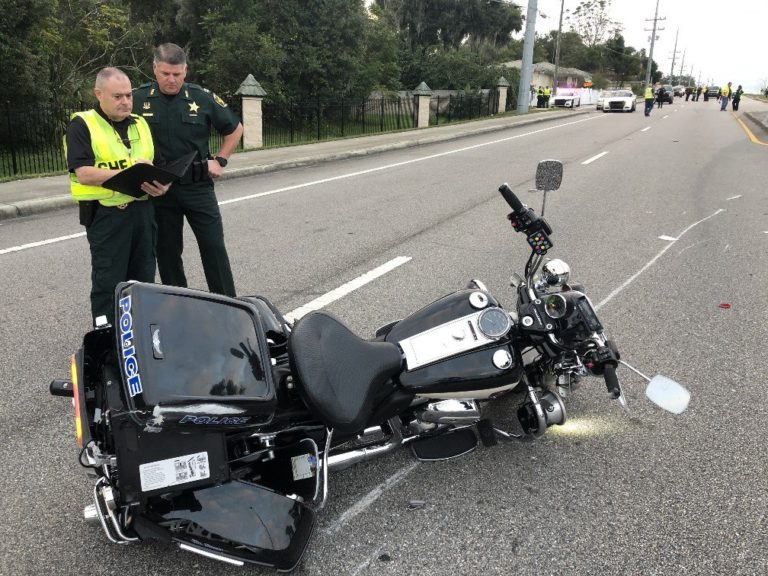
x: 734, y: 197
x: 41, y: 243
x: 398, y: 164
x: 665, y: 117
x: 594, y: 158
x: 672, y: 238
x: 726, y: 247
x: 345, y: 289
x: 334, y: 178
x: 362, y: 504
x: 651, y: 262
x: 645, y: 129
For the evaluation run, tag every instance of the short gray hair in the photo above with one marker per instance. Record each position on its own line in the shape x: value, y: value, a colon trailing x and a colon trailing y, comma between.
x: 107, y: 73
x: 170, y: 54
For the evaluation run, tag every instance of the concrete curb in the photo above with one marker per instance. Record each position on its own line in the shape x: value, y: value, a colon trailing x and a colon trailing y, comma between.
x: 760, y: 119
x: 430, y: 136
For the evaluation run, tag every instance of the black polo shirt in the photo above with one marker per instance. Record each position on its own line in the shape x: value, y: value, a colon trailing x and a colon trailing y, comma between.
x: 79, y: 147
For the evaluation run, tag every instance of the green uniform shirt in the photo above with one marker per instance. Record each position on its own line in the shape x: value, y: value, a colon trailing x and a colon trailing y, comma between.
x: 182, y: 123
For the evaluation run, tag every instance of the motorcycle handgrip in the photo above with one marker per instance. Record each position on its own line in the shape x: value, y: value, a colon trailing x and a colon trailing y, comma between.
x: 512, y: 200
x: 611, y: 381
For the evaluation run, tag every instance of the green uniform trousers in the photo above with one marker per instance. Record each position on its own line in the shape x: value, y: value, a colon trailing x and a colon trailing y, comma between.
x: 197, y: 202
x: 122, y: 243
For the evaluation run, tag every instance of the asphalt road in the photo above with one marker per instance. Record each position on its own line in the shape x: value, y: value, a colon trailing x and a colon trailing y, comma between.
x: 609, y: 493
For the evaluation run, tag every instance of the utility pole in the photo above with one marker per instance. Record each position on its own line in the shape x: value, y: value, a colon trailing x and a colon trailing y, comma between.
x: 674, y: 55
x: 682, y: 64
x: 653, y: 40
x: 526, y: 66
x: 557, y: 46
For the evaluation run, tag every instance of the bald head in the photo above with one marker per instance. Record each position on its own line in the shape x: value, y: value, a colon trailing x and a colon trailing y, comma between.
x: 106, y: 73
x: 113, y: 91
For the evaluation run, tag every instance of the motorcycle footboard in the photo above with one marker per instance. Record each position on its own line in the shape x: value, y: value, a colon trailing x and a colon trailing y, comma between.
x: 236, y: 522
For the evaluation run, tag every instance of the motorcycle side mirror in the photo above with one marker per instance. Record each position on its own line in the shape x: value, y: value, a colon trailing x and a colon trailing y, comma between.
x: 549, y: 175
x: 668, y: 394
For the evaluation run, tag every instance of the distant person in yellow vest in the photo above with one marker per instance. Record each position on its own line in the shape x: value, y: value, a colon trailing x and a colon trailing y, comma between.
x: 705, y: 90
x: 649, y: 97
x: 540, y: 97
x: 547, y: 95
x: 120, y: 229
x: 725, y: 95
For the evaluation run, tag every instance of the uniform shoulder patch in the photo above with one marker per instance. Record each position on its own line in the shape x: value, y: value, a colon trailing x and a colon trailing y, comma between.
x: 219, y: 101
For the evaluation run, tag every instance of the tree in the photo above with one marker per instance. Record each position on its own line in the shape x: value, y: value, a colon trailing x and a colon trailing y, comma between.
x: 590, y: 20
x: 624, y: 61
x: 24, y: 50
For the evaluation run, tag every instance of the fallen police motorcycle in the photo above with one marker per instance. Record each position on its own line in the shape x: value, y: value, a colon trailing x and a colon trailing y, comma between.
x: 212, y: 422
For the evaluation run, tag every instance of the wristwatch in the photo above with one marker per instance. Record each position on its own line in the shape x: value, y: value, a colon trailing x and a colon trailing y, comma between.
x: 221, y: 160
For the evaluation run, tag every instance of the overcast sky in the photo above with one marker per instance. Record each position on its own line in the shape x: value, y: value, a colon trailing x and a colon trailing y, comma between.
x: 723, y: 40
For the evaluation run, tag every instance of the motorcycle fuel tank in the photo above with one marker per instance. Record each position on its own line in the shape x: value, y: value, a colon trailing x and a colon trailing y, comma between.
x: 458, y: 344
x: 190, y: 358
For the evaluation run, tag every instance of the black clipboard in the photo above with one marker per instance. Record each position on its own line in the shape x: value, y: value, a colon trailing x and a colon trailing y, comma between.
x: 129, y: 180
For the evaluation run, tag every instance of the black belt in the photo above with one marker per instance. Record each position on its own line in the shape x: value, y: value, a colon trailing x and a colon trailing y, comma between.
x: 197, y: 172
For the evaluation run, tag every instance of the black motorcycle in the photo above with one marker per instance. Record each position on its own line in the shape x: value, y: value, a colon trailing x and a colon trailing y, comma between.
x: 212, y: 422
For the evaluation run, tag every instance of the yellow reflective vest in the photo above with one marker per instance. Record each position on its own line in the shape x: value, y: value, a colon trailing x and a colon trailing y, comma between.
x: 649, y: 93
x: 547, y: 92
x: 110, y: 153
x: 725, y: 91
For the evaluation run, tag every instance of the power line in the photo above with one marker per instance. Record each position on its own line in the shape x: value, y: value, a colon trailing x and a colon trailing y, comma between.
x: 653, y: 40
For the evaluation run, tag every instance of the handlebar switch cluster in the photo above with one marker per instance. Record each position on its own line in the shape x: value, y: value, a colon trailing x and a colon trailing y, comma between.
x: 536, y: 229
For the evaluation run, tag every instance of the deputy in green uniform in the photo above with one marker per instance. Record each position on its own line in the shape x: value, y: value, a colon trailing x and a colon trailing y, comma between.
x: 100, y: 143
x: 180, y: 116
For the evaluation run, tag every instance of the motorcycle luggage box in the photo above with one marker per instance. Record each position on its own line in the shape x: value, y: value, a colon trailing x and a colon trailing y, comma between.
x: 192, y: 359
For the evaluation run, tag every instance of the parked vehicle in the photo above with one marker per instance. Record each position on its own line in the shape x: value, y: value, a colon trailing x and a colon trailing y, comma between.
x: 679, y: 90
x: 713, y: 91
x: 212, y: 423
x: 619, y: 101
x: 566, y: 99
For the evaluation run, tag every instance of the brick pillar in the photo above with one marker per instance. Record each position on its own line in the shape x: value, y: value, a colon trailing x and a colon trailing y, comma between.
x: 422, y: 95
x: 503, y: 86
x: 252, y: 94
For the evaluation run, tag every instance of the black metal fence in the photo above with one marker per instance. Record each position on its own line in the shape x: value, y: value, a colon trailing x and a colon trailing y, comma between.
x: 31, y: 139
x: 295, y: 123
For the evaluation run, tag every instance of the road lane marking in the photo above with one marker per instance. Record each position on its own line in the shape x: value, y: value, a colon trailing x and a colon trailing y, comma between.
x: 646, y: 128
x: 41, y: 243
x: 345, y: 289
x: 594, y: 158
x: 398, y: 164
x: 734, y: 197
x: 336, y: 178
x: 665, y: 117
x: 652, y: 261
x: 672, y: 238
x: 752, y: 137
x: 366, y: 501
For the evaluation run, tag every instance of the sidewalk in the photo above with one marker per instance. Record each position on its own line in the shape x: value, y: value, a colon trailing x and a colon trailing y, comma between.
x: 37, y: 195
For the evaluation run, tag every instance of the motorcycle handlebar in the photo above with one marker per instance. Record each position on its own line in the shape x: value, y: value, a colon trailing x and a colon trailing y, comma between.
x: 611, y: 380
x: 512, y: 200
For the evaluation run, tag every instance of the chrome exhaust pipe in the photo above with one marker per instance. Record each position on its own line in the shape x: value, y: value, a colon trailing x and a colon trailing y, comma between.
x: 347, y: 459
x: 451, y: 412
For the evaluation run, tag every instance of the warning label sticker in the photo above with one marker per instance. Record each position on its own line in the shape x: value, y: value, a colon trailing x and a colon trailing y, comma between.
x: 173, y: 471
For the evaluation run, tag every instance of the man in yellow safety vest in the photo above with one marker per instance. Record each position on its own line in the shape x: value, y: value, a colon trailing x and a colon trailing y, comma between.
x: 120, y: 228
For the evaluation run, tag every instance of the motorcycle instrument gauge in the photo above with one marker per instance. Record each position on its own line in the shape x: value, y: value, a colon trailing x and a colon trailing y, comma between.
x: 494, y: 322
x: 555, y: 306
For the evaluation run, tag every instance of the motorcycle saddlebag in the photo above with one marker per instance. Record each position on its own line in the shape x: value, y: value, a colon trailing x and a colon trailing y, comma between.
x: 191, y: 359
x: 235, y: 521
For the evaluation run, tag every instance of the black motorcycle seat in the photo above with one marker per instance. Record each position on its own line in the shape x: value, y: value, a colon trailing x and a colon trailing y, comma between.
x: 340, y: 376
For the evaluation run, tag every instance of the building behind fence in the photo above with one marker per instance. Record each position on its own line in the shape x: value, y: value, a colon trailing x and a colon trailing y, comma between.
x: 31, y: 139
